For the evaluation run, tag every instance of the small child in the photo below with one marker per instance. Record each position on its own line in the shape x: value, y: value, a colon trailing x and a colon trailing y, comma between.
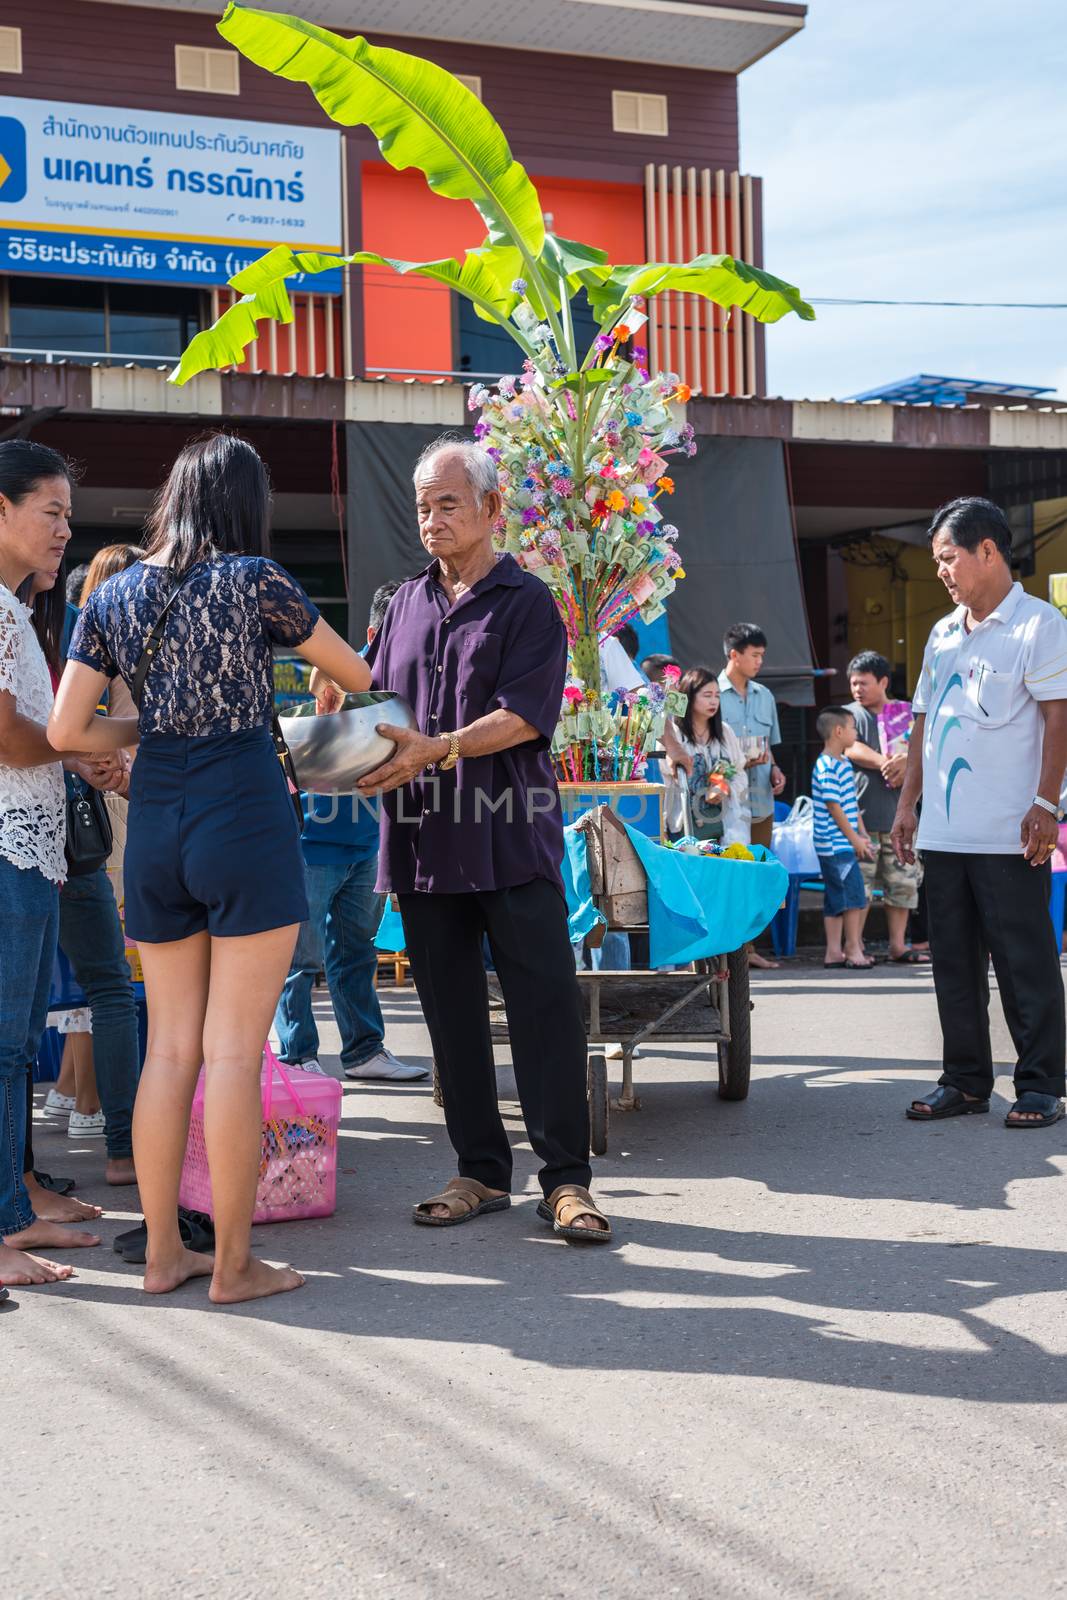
x: 841, y: 841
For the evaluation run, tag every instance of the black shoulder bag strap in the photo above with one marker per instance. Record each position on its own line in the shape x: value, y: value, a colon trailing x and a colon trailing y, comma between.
x: 153, y: 642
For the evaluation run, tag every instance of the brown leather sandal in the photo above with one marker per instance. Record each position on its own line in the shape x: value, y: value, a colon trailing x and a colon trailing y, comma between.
x: 465, y: 1198
x: 563, y: 1208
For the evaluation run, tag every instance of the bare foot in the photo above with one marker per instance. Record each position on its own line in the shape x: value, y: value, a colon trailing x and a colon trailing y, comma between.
x: 160, y: 1277
x: 254, y: 1282
x: 17, y: 1268
x: 51, y: 1207
x: 594, y: 1224
x: 764, y: 964
x: 44, y: 1234
x: 120, y: 1171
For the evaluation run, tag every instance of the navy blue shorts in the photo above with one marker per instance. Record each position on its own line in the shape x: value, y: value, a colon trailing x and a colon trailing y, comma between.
x: 213, y: 839
x: 845, y: 889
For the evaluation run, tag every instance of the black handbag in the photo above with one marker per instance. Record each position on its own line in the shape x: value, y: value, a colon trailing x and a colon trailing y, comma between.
x: 140, y: 673
x: 89, y: 835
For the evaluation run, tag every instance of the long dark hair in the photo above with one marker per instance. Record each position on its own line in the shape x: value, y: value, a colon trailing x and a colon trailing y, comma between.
x: 216, y: 501
x: 24, y: 464
x: 48, y: 614
x: 691, y: 683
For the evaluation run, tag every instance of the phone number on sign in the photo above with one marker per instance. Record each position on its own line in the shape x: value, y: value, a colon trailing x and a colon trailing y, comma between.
x: 257, y: 221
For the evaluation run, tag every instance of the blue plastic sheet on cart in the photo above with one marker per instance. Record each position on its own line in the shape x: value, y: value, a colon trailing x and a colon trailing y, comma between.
x: 705, y: 906
x: 582, y: 914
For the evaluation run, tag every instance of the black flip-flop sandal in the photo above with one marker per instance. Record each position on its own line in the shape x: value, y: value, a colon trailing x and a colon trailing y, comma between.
x: 910, y: 958
x: 945, y: 1102
x: 196, y: 1228
x: 1049, y: 1106
x: 55, y: 1185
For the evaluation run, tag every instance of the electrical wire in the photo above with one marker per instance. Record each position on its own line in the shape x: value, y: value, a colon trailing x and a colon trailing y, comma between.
x: 961, y: 305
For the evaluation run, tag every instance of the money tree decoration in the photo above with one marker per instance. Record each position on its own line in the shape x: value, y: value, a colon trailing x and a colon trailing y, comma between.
x: 582, y: 438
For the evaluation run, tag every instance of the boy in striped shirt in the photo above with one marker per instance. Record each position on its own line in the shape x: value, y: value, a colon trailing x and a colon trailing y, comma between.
x: 841, y: 841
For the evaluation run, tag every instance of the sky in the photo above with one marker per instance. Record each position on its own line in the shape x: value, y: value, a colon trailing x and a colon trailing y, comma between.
x: 915, y: 150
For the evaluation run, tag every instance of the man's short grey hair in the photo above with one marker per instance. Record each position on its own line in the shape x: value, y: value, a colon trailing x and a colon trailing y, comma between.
x: 479, y: 467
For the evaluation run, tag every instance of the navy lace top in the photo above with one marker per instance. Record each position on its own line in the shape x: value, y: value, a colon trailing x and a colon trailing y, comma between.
x: 212, y: 672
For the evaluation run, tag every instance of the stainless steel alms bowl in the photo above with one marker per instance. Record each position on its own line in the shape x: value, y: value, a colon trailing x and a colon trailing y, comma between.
x: 331, y: 753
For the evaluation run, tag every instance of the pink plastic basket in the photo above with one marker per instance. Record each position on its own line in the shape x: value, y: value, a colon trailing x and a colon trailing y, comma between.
x: 298, y: 1160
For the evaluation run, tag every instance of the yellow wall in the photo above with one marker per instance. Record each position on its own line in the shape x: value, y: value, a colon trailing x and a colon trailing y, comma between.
x: 893, y: 611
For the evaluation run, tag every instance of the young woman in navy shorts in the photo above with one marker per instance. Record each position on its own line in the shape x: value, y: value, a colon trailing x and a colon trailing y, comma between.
x: 213, y: 870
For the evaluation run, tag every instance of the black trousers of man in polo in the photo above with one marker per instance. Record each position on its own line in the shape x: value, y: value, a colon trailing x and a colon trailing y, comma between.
x: 527, y: 932
x: 995, y: 906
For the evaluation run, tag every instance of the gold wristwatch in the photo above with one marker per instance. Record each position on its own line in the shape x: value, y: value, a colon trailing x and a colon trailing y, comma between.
x: 453, y: 752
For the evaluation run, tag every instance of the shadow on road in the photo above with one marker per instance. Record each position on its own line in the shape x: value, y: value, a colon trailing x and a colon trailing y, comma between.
x: 939, y: 1310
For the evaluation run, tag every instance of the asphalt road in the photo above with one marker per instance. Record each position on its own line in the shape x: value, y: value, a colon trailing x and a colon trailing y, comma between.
x: 826, y: 1356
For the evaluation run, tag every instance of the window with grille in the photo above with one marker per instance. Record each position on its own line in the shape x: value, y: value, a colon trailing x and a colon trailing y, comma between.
x: 638, y: 113
x: 206, y: 71
x: 10, y: 49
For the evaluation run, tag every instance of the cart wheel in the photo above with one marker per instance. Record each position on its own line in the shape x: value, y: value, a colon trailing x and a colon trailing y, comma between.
x: 597, y: 1090
x: 438, y: 1097
x: 735, y: 1058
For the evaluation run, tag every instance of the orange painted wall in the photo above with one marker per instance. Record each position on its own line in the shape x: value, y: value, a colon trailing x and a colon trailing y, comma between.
x: 408, y: 322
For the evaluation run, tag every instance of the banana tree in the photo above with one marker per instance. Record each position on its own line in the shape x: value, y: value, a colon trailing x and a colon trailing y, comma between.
x: 581, y: 437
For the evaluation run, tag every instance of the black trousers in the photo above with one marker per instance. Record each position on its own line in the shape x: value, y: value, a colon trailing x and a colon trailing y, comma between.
x: 527, y: 932
x: 982, y: 907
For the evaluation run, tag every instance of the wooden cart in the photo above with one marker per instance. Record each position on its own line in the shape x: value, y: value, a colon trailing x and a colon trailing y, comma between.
x: 708, y: 1003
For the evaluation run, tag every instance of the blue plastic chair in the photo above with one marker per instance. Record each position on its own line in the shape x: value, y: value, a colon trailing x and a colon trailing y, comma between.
x: 66, y: 995
x: 784, y: 922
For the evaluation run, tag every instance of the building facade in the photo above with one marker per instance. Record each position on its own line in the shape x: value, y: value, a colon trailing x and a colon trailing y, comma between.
x: 142, y: 162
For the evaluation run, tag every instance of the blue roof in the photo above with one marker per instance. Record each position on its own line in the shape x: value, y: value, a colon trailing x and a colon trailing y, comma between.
x: 928, y: 389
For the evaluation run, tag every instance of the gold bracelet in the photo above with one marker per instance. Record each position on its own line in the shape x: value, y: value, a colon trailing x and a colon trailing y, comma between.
x: 453, y: 752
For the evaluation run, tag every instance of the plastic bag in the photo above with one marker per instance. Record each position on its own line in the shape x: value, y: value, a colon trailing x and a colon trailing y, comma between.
x: 793, y: 840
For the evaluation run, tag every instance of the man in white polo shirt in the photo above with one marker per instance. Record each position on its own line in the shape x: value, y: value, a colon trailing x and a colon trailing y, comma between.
x: 987, y: 754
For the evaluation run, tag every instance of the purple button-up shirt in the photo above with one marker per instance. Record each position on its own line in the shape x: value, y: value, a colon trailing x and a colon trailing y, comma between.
x: 494, y: 821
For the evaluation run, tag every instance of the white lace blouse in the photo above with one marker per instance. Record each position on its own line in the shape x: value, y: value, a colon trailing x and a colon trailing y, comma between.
x: 32, y: 813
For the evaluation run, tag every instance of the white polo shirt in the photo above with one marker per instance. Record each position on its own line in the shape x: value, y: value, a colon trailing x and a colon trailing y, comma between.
x: 984, y: 729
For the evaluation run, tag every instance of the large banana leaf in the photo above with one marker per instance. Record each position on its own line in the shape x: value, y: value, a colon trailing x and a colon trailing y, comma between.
x: 421, y: 115
x: 723, y: 279
x: 264, y: 295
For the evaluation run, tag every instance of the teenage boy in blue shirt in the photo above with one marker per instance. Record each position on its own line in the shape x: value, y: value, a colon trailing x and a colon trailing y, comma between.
x: 340, y: 844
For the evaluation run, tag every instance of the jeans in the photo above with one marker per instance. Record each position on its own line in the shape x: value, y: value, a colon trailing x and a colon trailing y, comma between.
x: 91, y: 938
x: 613, y: 954
x: 29, y: 917
x: 343, y: 916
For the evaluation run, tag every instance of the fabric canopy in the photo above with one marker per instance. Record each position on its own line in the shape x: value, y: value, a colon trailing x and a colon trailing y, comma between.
x: 731, y: 504
x: 383, y: 538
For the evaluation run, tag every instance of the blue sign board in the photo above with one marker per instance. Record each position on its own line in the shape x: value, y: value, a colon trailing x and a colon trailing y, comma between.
x: 160, y: 197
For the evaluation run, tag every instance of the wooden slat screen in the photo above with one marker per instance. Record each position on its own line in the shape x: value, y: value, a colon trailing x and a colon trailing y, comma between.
x: 310, y: 345
x: 691, y: 212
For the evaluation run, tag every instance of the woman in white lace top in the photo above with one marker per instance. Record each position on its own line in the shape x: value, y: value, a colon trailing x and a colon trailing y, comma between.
x: 34, y: 530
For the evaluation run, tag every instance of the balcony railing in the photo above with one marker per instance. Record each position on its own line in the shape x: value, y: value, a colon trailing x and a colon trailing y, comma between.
x: 104, y: 358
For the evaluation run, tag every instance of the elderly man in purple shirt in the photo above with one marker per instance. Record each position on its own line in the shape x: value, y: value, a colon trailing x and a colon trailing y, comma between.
x: 472, y: 842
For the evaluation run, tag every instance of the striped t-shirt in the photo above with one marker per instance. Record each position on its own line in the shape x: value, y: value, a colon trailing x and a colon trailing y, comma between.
x: 833, y: 779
